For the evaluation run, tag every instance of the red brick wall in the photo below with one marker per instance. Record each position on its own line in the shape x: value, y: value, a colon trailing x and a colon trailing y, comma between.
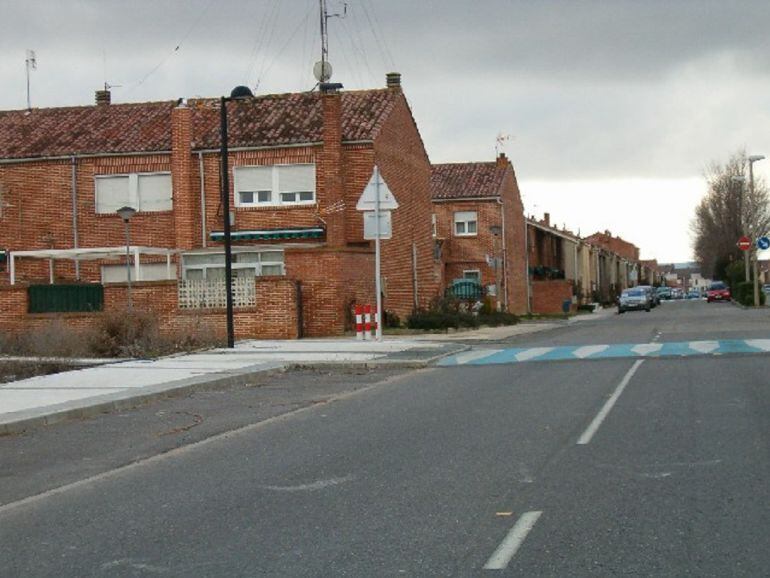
x: 332, y: 280
x: 548, y: 296
x: 516, y: 265
x: 400, y: 154
x: 273, y: 317
x: 615, y: 245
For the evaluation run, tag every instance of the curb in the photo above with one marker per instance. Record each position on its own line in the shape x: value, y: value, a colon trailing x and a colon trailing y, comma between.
x: 125, y: 400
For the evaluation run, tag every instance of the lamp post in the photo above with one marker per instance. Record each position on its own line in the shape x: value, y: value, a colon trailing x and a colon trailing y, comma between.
x: 496, y: 231
x: 126, y: 213
x: 238, y: 93
x: 752, y: 160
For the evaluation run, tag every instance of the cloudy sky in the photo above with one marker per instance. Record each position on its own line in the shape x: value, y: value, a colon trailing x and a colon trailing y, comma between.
x: 614, y: 108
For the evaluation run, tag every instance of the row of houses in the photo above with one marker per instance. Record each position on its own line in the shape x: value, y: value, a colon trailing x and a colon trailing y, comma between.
x: 298, y: 164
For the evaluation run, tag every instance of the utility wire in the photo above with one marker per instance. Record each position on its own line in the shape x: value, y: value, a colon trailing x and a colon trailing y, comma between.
x: 382, y: 45
x: 175, y: 50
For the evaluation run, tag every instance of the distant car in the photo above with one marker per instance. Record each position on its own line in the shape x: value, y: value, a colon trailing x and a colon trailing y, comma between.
x: 634, y: 298
x: 693, y: 294
x: 654, y: 300
x: 718, y: 291
x: 676, y: 293
x: 664, y: 293
x: 766, y: 288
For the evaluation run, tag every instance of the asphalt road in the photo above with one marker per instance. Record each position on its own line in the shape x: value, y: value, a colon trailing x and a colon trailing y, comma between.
x: 655, y: 467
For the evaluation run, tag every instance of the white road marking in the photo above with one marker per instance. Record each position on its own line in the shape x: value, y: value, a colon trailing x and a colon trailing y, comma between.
x: 311, y: 487
x: 474, y: 354
x: 509, y: 546
x: 597, y: 422
x: 647, y: 348
x: 763, y: 344
x: 532, y: 353
x: 586, y: 350
x: 704, y: 346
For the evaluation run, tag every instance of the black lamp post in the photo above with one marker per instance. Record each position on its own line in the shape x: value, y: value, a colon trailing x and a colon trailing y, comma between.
x: 238, y: 93
x: 126, y: 213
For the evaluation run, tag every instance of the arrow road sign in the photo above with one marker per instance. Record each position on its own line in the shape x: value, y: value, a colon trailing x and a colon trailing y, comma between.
x: 763, y: 243
x: 744, y: 243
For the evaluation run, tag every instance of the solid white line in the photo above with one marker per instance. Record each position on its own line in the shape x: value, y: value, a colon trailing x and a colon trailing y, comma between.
x: 597, y: 422
x: 507, y: 549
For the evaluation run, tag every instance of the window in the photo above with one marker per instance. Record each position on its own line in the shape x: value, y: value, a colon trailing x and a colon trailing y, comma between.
x: 275, y: 185
x: 433, y: 224
x: 148, y: 272
x: 148, y: 192
x: 245, y: 264
x: 466, y: 223
x: 472, y: 275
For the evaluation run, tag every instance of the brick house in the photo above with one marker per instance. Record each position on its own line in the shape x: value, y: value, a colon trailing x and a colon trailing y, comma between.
x: 298, y: 163
x: 619, y: 263
x: 479, y: 227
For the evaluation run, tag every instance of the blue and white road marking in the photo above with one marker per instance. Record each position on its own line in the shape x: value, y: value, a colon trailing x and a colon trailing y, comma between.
x: 629, y: 350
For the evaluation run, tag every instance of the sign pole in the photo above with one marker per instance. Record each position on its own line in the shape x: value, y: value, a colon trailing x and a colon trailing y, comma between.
x: 377, y: 284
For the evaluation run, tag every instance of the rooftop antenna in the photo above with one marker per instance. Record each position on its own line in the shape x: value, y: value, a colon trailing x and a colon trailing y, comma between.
x: 323, y: 68
x: 500, y: 141
x: 31, y: 65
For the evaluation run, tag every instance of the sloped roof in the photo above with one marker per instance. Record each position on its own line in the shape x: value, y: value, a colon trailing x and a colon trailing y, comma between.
x: 466, y: 180
x: 272, y: 120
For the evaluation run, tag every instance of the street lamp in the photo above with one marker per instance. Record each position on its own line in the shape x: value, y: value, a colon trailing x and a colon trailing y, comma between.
x: 126, y: 213
x: 496, y: 231
x: 238, y: 93
x: 752, y: 160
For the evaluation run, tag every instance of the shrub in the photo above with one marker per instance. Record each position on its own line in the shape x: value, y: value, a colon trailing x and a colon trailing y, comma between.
x: 744, y: 294
x: 496, y: 318
x: 390, y: 319
x: 126, y: 334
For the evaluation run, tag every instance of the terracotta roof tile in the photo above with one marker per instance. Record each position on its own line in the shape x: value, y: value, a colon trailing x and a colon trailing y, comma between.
x: 466, y: 180
x: 272, y: 120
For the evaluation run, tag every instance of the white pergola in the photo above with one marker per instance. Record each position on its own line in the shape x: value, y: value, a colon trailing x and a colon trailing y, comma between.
x: 89, y: 254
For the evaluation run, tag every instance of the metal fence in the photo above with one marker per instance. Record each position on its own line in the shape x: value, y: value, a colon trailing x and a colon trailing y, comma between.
x: 74, y: 298
x: 209, y: 294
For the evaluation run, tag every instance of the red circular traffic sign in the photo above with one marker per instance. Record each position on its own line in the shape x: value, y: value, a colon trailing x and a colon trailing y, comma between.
x: 744, y: 243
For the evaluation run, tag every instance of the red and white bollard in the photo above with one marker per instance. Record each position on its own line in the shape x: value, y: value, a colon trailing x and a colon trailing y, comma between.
x: 367, y: 321
x: 359, y: 323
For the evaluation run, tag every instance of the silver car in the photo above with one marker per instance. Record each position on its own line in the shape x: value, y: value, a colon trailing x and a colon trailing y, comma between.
x: 634, y: 298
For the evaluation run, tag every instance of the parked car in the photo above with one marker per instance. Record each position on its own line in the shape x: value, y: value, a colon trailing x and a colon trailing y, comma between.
x: 664, y: 293
x: 634, y: 298
x: 654, y: 299
x: 693, y: 294
x: 718, y: 291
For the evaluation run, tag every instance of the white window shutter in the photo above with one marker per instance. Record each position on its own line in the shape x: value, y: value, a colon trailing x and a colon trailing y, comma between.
x: 155, y: 192
x: 111, y: 193
x: 253, y: 179
x: 295, y: 178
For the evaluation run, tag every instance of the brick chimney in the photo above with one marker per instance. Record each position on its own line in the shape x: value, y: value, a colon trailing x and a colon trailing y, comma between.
x: 547, y: 219
x: 331, y: 194
x: 103, y: 97
x: 393, y: 80
x: 502, y: 160
x: 186, y: 202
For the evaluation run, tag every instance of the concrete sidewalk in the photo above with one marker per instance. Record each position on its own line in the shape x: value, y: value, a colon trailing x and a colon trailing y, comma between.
x: 115, y: 386
x: 118, y: 385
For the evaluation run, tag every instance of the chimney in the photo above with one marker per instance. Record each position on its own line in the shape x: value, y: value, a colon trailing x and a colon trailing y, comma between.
x: 393, y: 80
x: 547, y: 219
x: 187, y: 207
x: 331, y: 190
x: 502, y: 160
x: 103, y: 97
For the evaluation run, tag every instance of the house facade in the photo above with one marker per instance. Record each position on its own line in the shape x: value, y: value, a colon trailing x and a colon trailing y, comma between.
x: 478, y: 227
x: 297, y: 165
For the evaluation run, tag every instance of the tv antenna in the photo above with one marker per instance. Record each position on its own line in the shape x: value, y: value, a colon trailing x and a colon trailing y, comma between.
x: 500, y: 141
x: 323, y: 68
x: 31, y: 62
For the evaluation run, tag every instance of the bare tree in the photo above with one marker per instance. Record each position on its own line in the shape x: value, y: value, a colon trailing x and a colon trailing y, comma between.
x: 729, y: 210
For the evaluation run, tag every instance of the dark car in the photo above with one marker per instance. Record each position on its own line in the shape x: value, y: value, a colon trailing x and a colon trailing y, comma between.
x: 718, y: 291
x: 664, y: 293
x: 654, y: 299
x: 635, y: 298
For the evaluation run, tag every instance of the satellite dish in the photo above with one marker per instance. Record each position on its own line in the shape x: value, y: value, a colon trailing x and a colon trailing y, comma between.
x: 322, y: 71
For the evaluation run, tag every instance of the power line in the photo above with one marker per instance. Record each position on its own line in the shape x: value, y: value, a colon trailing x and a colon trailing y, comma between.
x: 387, y: 57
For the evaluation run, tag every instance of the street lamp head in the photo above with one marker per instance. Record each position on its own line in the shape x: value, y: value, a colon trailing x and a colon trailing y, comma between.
x: 755, y: 158
x: 126, y: 213
x: 241, y: 93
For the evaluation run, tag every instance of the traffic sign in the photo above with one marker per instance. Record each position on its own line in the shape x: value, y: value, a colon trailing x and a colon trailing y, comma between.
x: 370, y: 225
x: 744, y: 243
x: 763, y: 243
x: 368, y: 199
